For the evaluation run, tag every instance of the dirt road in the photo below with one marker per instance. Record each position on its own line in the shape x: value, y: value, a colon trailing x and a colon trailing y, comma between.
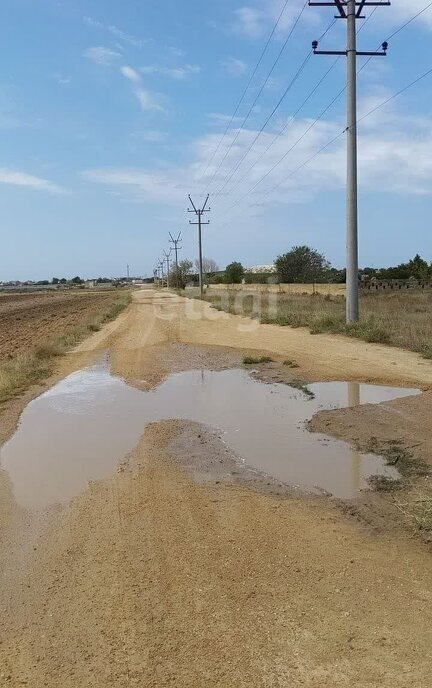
x: 152, y: 579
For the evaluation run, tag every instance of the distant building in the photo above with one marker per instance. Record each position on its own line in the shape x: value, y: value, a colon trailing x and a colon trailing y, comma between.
x: 256, y: 269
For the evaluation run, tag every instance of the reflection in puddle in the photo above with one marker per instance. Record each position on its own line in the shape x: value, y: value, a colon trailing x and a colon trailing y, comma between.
x: 84, y: 426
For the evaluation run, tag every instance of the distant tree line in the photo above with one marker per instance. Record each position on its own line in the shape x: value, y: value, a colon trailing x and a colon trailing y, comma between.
x: 301, y: 264
x: 305, y: 265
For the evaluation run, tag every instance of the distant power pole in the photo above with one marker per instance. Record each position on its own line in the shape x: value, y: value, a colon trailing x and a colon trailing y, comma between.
x: 161, y: 268
x: 167, y: 258
x: 199, y: 212
x: 351, y: 10
x: 177, y: 248
x: 127, y: 271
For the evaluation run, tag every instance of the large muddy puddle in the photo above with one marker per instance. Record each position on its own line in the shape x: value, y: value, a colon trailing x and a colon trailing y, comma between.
x: 81, y: 429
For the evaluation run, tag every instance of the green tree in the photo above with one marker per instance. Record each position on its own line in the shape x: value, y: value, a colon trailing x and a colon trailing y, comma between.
x: 179, y: 275
x: 234, y: 273
x: 416, y: 267
x: 77, y: 280
x: 302, y: 264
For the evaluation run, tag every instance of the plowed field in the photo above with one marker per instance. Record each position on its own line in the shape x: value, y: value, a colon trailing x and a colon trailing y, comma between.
x: 28, y: 320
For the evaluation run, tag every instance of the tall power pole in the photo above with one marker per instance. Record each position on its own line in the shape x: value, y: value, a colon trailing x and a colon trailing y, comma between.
x: 199, y: 213
x: 351, y: 10
x: 167, y: 258
x: 127, y: 271
x: 177, y: 247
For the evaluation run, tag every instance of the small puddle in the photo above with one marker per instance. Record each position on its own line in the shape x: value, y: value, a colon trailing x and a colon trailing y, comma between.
x: 85, y: 425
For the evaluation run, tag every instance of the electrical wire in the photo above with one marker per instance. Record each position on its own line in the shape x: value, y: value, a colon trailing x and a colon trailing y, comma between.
x: 257, y: 97
x: 323, y: 112
x: 420, y: 12
x: 292, y: 119
x: 242, y: 97
x: 269, y: 118
x: 425, y: 74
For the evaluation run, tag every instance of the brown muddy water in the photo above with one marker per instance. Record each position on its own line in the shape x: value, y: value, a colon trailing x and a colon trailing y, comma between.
x: 81, y: 429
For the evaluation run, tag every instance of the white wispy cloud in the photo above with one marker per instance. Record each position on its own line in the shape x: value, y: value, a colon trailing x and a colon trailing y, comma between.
x: 115, y: 31
x: 395, y: 155
x: 131, y: 74
x: 102, y: 56
x: 14, y: 178
x: 178, y: 52
x: 254, y: 20
x: 178, y: 73
x: 249, y: 21
x: 220, y: 119
x: 148, y: 100
x: 61, y: 79
x: 405, y: 9
x: 141, y: 184
x: 234, y: 66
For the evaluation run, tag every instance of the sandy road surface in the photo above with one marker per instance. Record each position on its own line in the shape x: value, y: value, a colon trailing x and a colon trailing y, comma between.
x: 151, y: 579
x: 160, y: 318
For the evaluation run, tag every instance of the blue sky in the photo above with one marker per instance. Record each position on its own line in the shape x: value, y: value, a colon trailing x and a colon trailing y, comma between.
x: 110, y: 112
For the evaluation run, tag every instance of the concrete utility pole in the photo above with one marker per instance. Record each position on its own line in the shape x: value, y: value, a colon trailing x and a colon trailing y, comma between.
x: 177, y: 248
x: 161, y: 268
x: 199, y: 213
x: 351, y: 10
x: 127, y: 271
x: 167, y: 258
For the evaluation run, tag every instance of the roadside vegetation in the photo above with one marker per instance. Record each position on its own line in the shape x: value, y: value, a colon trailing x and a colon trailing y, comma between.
x: 250, y: 360
x: 411, y: 494
x: 401, y: 318
x: 398, y: 319
x: 32, y: 365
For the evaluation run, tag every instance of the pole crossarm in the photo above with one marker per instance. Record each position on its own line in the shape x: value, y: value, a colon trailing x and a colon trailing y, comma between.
x: 199, y: 213
x: 177, y: 247
x: 342, y: 5
x: 363, y: 53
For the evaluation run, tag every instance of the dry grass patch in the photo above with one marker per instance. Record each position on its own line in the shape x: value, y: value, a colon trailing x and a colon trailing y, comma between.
x: 397, y: 319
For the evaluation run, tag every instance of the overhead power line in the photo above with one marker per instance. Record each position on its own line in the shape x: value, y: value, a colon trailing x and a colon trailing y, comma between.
x: 257, y: 97
x: 300, y: 108
x: 286, y: 126
x: 407, y: 23
x: 251, y: 78
x: 323, y: 112
x: 295, y: 144
x: 341, y: 133
x: 395, y: 95
x: 269, y: 118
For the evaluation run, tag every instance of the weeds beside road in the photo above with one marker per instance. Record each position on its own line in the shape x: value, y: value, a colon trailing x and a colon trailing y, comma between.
x: 35, y: 332
x: 398, y: 319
